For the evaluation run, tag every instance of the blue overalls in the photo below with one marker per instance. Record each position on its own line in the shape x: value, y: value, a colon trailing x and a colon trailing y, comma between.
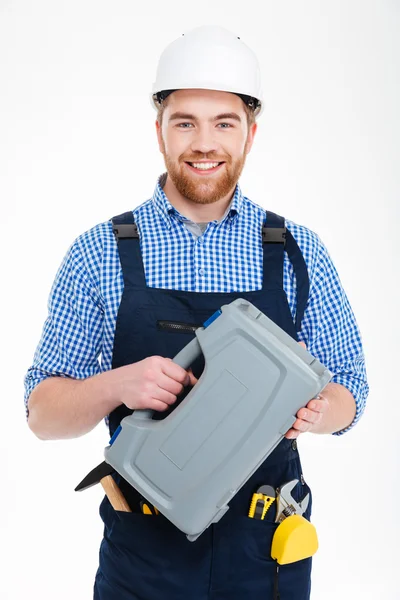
x: 145, y: 557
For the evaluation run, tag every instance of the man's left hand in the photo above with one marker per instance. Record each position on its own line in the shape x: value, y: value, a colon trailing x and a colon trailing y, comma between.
x: 309, y: 416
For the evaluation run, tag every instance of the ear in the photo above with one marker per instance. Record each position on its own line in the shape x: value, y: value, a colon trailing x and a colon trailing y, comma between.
x: 250, y: 137
x: 159, y: 138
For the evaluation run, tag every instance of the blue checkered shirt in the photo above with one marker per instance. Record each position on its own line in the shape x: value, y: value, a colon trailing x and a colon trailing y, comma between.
x: 78, y: 334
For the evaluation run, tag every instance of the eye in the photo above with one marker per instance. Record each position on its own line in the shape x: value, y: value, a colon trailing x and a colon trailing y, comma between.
x: 227, y: 125
x: 182, y: 125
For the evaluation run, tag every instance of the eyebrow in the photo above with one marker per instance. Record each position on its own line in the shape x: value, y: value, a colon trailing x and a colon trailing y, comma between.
x: 183, y: 115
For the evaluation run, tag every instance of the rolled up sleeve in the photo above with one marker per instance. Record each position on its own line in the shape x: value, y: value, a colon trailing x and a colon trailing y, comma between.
x: 72, y: 333
x: 331, y: 333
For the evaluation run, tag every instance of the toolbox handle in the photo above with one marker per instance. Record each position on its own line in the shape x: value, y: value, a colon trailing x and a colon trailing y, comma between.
x: 184, y: 359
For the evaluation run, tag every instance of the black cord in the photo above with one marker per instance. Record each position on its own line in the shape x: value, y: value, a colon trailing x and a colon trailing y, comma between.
x: 276, y: 587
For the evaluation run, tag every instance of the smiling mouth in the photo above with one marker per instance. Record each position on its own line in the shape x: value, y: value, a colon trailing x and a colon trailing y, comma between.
x: 205, y: 167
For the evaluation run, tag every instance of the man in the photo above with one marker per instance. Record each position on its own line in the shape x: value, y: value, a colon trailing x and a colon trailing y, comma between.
x: 136, y: 301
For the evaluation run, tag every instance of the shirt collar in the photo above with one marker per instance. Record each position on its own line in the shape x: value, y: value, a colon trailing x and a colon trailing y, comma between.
x: 167, y: 211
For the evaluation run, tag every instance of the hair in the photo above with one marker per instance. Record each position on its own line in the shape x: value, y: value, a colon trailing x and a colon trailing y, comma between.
x: 249, y: 112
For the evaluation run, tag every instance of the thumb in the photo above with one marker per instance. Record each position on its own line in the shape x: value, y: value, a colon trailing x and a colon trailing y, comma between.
x: 191, y: 379
x: 303, y: 344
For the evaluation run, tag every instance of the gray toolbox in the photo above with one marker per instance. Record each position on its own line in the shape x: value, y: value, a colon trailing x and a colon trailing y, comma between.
x: 190, y: 464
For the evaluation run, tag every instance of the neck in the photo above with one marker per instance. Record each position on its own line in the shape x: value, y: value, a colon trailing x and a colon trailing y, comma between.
x: 196, y: 212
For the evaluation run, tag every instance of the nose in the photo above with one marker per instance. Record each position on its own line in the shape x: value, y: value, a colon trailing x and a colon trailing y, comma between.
x: 204, y: 142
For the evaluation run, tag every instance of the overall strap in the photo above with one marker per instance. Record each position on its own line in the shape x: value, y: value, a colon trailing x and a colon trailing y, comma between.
x: 277, y: 239
x: 126, y: 233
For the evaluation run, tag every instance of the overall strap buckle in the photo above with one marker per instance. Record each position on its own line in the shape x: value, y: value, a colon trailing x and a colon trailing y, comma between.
x: 125, y: 230
x: 273, y: 235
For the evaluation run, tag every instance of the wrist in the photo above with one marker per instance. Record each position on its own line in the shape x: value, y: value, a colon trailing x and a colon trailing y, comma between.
x: 104, y: 387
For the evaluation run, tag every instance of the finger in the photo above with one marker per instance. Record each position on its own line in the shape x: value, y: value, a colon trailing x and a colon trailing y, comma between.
x: 292, y: 434
x: 311, y: 416
x: 303, y: 344
x: 173, y: 387
x: 318, y: 404
x: 158, y: 405
x: 164, y: 396
x: 169, y: 397
x: 168, y: 384
x: 192, y: 379
x: 302, y: 426
x: 171, y: 369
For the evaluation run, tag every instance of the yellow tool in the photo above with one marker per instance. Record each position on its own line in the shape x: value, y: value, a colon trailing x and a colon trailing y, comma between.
x: 261, y: 502
x: 147, y: 509
x: 294, y: 539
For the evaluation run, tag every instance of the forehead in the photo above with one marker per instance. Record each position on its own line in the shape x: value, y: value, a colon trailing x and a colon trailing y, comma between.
x: 204, y: 102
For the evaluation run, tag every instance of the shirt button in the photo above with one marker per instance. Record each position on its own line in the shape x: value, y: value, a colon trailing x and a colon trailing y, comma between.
x: 201, y: 240
x: 201, y: 271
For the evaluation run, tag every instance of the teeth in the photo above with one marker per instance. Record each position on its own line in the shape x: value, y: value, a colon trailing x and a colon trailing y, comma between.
x: 204, y: 166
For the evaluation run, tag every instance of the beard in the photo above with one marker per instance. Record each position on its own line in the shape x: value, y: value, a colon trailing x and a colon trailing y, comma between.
x: 203, y: 189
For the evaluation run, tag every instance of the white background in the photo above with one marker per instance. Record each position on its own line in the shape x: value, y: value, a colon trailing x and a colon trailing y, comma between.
x: 78, y: 145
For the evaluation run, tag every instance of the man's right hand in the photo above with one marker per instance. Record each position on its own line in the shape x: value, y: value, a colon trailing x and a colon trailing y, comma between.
x: 62, y: 407
x: 153, y: 383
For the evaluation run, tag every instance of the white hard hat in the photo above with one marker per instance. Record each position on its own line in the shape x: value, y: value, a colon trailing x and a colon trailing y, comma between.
x: 210, y: 58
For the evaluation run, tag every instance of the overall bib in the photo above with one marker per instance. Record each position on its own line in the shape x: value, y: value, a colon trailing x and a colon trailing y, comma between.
x: 145, y: 557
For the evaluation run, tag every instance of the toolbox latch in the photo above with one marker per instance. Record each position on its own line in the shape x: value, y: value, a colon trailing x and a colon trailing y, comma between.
x: 212, y: 318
